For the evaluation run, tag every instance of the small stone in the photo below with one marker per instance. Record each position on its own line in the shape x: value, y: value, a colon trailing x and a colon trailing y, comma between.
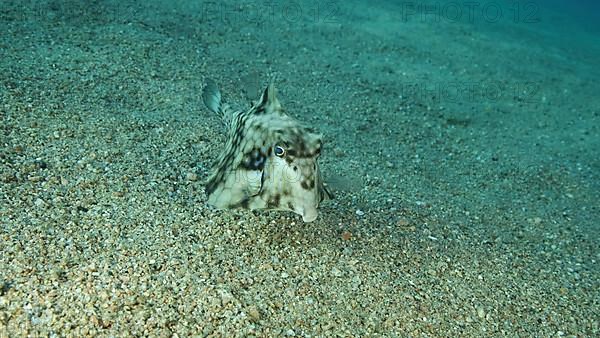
x: 34, y: 178
x: 336, y: 272
x: 356, y: 282
x: 480, y: 312
x: 403, y: 222
x: 338, y: 152
x: 359, y: 212
x: 226, y: 298
x: 253, y: 313
x: 191, y: 177
x: 39, y: 203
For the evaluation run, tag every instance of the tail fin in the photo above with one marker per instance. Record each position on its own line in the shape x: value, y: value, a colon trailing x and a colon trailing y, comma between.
x: 212, y: 100
x: 212, y: 97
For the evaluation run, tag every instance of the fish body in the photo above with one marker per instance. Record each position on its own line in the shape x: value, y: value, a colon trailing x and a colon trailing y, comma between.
x: 269, y: 160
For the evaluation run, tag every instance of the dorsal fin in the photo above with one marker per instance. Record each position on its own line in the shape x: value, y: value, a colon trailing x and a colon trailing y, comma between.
x: 268, y: 101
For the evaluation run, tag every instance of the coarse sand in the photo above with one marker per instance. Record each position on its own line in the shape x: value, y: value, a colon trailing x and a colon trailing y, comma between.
x: 463, y: 153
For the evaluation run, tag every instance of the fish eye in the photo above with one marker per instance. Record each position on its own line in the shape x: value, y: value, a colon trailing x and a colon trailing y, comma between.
x: 279, y: 151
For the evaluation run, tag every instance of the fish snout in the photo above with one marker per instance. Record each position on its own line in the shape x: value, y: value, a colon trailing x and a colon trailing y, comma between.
x: 308, y: 214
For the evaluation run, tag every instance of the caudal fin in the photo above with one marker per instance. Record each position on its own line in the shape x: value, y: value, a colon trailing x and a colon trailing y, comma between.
x: 212, y: 97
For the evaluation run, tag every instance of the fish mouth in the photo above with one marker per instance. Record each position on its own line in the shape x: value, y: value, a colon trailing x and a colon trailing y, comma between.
x: 309, y: 215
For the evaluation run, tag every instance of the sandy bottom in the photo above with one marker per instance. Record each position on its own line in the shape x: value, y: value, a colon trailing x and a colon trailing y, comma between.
x: 464, y: 155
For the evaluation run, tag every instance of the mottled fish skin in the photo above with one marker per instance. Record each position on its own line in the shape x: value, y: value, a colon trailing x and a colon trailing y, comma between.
x: 269, y: 161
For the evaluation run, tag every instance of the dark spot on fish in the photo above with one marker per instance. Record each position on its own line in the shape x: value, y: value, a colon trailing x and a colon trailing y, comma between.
x: 307, y: 184
x: 244, y: 203
x: 262, y: 181
x: 255, y: 160
x: 291, y: 152
x: 274, y: 201
x: 301, y: 146
x: 211, y: 186
x: 257, y: 128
